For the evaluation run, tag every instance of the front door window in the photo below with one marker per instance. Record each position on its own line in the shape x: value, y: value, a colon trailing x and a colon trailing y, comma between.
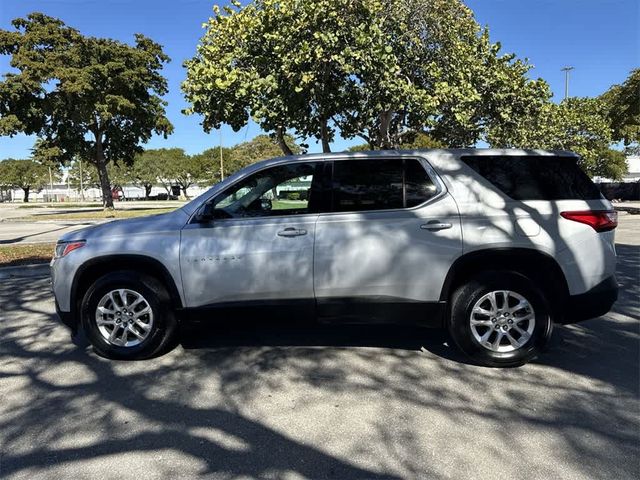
x: 282, y: 190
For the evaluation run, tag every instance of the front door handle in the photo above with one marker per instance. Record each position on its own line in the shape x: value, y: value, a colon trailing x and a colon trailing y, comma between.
x: 435, y: 225
x: 292, y: 232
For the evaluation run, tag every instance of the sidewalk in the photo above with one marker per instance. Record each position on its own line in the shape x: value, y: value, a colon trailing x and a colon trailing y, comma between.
x: 12, y: 233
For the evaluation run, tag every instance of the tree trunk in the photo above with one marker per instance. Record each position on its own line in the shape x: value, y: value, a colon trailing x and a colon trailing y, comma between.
x: 324, y: 136
x: 385, y: 134
x: 147, y: 191
x: 101, y: 165
x: 184, y: 192
x: 281, y: 143
x: 26, y: 194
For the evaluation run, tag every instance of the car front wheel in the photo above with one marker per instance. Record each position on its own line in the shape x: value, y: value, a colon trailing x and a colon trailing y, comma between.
x: 128, y: 316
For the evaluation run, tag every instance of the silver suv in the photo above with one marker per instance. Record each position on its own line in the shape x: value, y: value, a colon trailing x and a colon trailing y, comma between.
x: 494, y: 245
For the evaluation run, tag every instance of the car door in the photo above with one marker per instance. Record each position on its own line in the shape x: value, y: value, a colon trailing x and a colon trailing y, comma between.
x: 390, y: 236
x: 258, y: 247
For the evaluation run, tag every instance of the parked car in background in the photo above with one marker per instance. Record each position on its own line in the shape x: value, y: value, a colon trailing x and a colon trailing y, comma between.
x: 494, y: 245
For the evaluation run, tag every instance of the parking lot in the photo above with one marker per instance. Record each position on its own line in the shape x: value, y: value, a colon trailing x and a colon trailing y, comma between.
x: 295, y: 401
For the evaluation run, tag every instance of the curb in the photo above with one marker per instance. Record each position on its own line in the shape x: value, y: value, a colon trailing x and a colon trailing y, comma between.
x: 25, y: 271
x: 631, y: 210
x: 58, y: 222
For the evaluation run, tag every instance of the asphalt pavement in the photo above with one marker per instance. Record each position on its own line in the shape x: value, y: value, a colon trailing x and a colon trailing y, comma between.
x: 295, y: 401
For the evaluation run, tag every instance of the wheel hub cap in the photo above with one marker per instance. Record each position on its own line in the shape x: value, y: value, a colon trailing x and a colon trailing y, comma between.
x: 502, y: 321
x: 124, y: 317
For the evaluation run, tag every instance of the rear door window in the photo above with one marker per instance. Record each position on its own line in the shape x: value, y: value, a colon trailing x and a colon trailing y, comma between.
x: 379, y: 184
x: 535, y: 177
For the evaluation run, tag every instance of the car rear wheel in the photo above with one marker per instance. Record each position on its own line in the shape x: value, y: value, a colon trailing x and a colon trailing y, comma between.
x: 128, y: 316
x: 500, y: 319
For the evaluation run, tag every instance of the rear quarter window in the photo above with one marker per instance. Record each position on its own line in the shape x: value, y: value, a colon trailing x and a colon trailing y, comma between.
x: 535, y: 177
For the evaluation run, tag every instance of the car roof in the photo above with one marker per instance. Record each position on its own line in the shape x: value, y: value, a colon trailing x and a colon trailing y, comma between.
x: 450, y: 152
x: 446, y: 151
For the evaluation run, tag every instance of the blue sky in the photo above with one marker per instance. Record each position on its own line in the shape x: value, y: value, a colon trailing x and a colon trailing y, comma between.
x: 598, y: 37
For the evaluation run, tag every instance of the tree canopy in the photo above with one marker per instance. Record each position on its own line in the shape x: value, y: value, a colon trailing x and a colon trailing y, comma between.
x: 378, y: 70
x: 623, y: 110
x: 207, y: 168
x: 24, y: 174
x: 93, y: 97
x: 259, y: 148
x: 576, y: 124
x: 186, y: 170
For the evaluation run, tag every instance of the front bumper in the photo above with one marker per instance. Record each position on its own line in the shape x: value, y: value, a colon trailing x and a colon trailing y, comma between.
x: 593, y: 303
x: 67, y: 318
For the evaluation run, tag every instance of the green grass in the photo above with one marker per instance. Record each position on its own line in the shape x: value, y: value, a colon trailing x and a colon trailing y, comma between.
x: 288, y: 204
x: 24, y: 254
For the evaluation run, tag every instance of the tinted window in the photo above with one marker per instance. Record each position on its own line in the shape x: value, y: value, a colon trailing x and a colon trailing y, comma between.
x: 283, y: 190
x: 536, y: 177
x: 367, y: 185
x: 377, y: 184
x: 418, y: 186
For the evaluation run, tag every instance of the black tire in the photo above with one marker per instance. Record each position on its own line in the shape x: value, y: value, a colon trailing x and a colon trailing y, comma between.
x: 463, y: 301
x: 162, y: 332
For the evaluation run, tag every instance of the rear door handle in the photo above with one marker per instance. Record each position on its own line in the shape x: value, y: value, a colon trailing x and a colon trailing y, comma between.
x: 292, y: 232
x: 435, y: 225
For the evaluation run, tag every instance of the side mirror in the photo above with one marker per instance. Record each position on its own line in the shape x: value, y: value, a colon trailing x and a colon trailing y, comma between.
x: 206, y: 213
x: 266, y: 204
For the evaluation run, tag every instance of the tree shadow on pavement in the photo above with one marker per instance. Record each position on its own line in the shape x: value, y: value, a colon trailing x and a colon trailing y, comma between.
x: 316, y: 402
x: 46, y: 405
x: 607, y: 348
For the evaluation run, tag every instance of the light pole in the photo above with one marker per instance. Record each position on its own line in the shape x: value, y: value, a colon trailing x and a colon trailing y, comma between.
x: 221, y: 164
x: 566, y: 71
x: 81, y: 182
x: 50, y: 183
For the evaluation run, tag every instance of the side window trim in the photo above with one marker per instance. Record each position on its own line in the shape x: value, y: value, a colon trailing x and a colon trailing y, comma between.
x: 327, y: 190
x: 404, y: 182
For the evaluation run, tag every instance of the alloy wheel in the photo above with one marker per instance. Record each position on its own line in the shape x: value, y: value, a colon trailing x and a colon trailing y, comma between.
x: 502, y: 321
x: 124, y: 317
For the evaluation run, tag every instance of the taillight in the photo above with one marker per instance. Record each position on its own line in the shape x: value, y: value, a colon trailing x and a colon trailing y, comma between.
x: 599, y: 220
x: 63, y: 248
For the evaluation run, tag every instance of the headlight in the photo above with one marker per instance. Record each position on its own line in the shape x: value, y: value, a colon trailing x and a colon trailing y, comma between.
x: 63, y: 248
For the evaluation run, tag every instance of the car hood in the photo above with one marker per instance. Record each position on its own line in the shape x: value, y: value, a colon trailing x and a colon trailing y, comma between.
x: 163, y: 222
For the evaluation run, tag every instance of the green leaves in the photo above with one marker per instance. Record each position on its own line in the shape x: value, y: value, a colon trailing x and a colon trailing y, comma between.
x: 94, y: 97
x: 283, y: 63
x: 623, y: 111
x: 576, y: 124
x: 23, y: 174
x: 368, y: 69
x: 259, y: 148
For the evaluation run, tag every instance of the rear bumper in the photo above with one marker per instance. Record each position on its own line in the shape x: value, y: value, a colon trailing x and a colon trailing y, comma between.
x: 593, y: 303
